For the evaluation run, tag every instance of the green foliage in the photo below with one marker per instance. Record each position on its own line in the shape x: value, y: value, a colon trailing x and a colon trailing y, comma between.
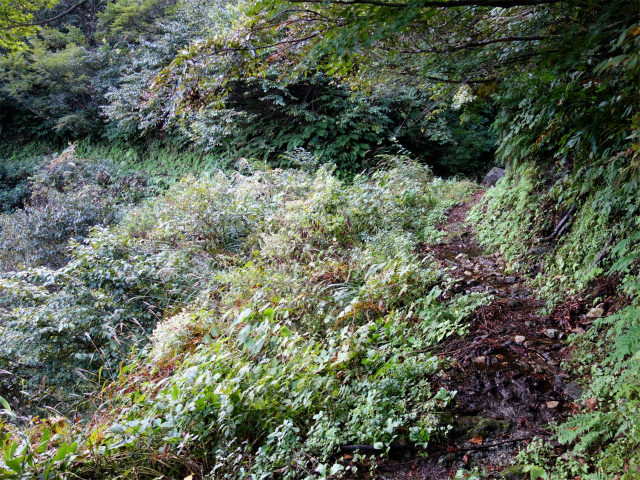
x: 127, y: 21
x: 603, y: 436
x: 130, y: 110
x: 66, y: 325
x: 572, y: 138
x: 455, y: 139
x: 509, y: 216
x: 52, y: 81
x: 260, y: 413
x: 594, y: 185
x: 306, y: 324
x: 599, y: 237
x: 67, y: 197
x: 160, y: 163
x: 290, y: 311
x: 574, y: 154
x: 15, y: 21
x: 265, y: 113
x: 91, y: 78
x: 264, y: 118
x: 216, y: 215
x: 17, y: 165
x: 38, y: 234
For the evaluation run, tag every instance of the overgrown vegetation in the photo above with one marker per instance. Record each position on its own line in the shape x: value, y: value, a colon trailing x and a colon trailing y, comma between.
x: 296, y: 319
x: 220, y: 277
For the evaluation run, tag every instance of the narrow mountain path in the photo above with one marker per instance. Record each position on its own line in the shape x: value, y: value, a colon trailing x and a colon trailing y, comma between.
x: 506, y: 371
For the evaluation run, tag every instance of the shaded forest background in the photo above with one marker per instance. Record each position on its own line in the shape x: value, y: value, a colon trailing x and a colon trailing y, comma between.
x: 86, y: 78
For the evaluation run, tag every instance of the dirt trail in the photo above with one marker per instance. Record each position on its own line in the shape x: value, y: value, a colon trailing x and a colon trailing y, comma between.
x: 507, y: 373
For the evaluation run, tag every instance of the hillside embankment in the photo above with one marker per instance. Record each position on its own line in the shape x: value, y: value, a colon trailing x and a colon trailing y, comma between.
x: 507, y: 371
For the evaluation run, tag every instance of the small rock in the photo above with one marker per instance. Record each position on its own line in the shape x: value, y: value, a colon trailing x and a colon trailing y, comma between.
x: 480, y: 359
x: 553, y: 404
x: 67, y: 174
x: 519, y: 339
x: 551, y: 333
x: 492, y: 177
x: 573, y: 390
x: 462, y: 257
x: 467, y: 273
x: 596, y: 312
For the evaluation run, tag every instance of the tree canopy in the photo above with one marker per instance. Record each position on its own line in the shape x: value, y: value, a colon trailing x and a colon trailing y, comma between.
x: 564, y: 72
x: 17, y: 20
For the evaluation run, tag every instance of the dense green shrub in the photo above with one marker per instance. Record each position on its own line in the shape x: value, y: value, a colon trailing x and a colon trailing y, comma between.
x: 93, y: 78
x: 161, y: 163
x: 147, y: 46
x: 67, y: 197
x: 306, y: 316
x: 66, y: 325
x: 52, y: 82
x: 39, y: 234
x: 571, y: 138
x: 17, y: 164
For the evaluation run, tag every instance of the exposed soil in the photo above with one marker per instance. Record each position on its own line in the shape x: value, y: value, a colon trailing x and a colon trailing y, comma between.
x: 506, y: 371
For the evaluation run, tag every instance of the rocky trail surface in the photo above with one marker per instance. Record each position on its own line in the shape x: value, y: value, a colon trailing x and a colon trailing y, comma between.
x: 506, y: 370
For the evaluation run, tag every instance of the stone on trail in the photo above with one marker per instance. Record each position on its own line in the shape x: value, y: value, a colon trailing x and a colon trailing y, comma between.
x: 551, y: 332
x: 573, y: 390
x: 492, y: 177
x: 596, y: 312
x: 519, y: 339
